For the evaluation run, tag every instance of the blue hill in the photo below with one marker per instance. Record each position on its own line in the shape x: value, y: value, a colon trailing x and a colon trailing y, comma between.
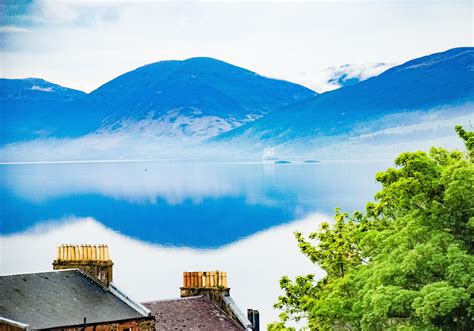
x: 203, y: 86
x: 431, y: 81
x: 212, y: 95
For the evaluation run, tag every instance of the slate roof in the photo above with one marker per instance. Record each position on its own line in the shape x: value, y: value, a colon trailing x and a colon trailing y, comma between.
x: 60, y: 298
x: 191, y: 313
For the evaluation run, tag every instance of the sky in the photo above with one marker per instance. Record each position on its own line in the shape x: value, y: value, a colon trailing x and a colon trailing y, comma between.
x: 84, y: 44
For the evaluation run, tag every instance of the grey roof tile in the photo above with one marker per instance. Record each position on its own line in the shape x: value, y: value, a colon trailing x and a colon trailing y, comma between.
x: 191, y: 313
x: 60, y: 298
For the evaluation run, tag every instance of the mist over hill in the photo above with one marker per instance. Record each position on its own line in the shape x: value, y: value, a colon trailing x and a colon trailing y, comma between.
x: 344, y: 75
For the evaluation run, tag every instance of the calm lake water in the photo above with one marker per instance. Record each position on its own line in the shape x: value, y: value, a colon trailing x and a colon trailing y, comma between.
x: 163, y: 218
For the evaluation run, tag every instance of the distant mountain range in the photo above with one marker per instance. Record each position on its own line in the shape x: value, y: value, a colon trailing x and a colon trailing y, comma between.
x: 217, y: 106
x: 195, y: 98
x: 438, y: 80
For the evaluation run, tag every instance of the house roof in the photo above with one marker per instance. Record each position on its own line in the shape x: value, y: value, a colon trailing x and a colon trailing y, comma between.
x: 190, y: 313
x: 63, y: 298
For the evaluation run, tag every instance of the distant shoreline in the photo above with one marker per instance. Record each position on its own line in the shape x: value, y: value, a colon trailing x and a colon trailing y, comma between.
x: 294, y: 162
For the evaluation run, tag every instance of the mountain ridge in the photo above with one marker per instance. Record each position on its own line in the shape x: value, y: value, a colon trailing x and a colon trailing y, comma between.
x: 196, y: 88
x: 198, y: 97
x: 425, y: 83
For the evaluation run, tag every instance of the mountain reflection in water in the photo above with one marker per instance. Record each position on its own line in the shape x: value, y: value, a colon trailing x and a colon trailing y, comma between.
x: 197, y: 205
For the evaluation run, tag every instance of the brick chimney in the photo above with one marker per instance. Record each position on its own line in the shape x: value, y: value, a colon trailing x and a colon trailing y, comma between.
x: 208, y: 283
x: 92, y: 259
x: 213, y: 285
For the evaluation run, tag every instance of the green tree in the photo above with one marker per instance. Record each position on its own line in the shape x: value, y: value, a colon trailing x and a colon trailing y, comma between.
x: 406, y: 263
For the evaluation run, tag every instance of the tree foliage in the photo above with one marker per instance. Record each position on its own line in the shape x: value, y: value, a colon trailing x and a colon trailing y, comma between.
x: 406, y: 263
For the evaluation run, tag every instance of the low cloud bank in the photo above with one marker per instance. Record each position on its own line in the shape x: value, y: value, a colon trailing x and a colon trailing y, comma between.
x: 383, y: 138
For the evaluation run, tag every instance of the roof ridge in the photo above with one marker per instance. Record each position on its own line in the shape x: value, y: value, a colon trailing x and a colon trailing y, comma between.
x: 229, y: 301
x: 36, y: 272
x: 129, y: 301
x: 174, y: 299
x: 245, y: 326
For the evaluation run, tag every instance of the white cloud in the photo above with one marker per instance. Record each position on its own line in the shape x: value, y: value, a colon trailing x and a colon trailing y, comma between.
x: 85, y: 44
x: 329, y: 79
x: 75, y: 13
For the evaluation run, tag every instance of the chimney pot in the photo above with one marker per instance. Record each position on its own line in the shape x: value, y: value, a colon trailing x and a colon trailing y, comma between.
x: 254, y: 318
x: 94, y: 253
x: 85, y: 257
x: 199, y: 279
x: 195, y: 283
x: 107, y: 253
x: 211, y: 276
x: 208, y: 279
x: 89, y: 252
